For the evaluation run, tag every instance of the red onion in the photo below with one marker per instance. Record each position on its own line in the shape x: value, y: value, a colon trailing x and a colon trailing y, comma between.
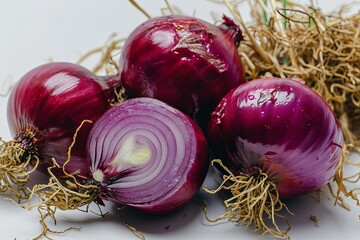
x: 148, y: 155
x: 45, y: 108
x: 278, y: 129
x: 182, y: 61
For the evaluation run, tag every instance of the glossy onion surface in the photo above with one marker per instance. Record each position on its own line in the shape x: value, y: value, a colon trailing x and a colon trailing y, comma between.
x: 183, y: 61
x: 282, y: 127
x: 49, y: 103
x: 148, y: 155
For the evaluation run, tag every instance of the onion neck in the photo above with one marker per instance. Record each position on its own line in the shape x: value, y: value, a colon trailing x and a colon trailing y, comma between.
x: 110, y: 81
x: 113, y: 89
x: 231, y: 30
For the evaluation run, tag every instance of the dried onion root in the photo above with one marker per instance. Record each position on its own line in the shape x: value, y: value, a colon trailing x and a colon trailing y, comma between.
x: 340, y: 180
x: 255, y: 202
x: 55, y: 195
x: 46, y: 212
x: 16, y: 158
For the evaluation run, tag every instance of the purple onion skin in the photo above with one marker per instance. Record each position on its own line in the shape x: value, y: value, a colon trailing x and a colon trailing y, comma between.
x: 282, y: 127
x: 183, y: 61
x: 51, y: 101
x: 147, y: 186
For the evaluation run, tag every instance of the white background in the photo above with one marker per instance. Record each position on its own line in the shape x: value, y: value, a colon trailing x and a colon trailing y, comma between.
x: 33, y: 32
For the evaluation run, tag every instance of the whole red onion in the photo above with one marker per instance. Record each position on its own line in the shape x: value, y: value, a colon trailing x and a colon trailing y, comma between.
x: 276, y: 138
x: 48, y: 104
x: 281, y: 127
x: 182, y: 61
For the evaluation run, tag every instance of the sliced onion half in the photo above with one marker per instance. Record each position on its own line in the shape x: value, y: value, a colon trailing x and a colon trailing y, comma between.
x: 148, y: 155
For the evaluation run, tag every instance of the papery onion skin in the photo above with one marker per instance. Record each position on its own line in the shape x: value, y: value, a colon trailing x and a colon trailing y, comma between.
x: 282, y: 127
x: 175, y: 142
x: 50, y: 102
x: 183, y: 61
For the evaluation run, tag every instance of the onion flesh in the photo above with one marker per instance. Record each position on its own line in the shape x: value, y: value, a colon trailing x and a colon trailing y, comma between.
x: 148, y: 155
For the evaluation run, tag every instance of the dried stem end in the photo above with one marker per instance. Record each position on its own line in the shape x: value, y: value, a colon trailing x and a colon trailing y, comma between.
x: 254, y: 202
x: 16, y: 157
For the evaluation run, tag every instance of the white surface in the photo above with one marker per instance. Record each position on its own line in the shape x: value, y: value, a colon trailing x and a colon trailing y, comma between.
x: 32, y: 32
